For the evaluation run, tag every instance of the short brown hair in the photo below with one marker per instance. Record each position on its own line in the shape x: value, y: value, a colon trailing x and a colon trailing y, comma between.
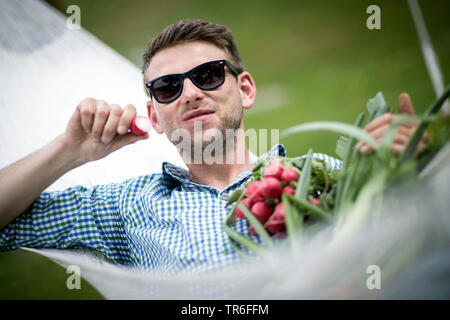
x: 194, y: 30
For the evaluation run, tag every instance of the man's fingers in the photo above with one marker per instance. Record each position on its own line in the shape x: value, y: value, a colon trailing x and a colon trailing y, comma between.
x: 101, y: 115
x: 128, y: 114
x: 365, y: 149
x: 87, y: 109
x: 400, y: 139
x: 378, y: 131
x: 402, y: 130
x: 426, y: 138
x: 405, y: 105
x: 398, y: 148
x: 400, y: 142
x: 109, y: 131
x: 105, y: 121
x: 386, y: 118
x: 420, y: 147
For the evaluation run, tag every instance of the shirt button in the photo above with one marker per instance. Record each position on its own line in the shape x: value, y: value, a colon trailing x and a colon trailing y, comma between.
x: 224, y: 196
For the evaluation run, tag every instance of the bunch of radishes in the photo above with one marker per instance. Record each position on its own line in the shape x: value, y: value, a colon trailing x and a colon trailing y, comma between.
x: 263, y: 196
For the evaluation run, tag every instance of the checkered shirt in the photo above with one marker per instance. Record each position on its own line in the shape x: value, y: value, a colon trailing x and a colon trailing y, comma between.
x: 160, y: 222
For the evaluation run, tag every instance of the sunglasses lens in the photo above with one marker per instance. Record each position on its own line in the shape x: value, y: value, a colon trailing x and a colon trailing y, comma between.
x: 208, y: 76
x: 166, y: 88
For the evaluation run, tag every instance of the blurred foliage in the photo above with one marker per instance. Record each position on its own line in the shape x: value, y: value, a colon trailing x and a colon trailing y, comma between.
x: 320, y: 53
x: 26, y: 275
x: 311, y: 61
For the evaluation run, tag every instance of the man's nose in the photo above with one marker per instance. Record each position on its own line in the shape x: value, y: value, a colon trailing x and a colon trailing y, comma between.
x: 191, y: 92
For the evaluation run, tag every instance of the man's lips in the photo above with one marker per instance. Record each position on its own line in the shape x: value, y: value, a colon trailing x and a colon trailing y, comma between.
x: 198, y: 115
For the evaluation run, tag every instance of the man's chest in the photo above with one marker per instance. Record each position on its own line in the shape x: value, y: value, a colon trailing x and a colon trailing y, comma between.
x: 181, y: 230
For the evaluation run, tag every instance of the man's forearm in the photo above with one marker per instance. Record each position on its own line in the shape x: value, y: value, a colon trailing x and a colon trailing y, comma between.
x: 23, y: 181
x: 88, y: 137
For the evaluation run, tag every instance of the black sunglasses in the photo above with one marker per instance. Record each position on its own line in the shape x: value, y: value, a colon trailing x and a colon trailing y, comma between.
x: 207, y: 76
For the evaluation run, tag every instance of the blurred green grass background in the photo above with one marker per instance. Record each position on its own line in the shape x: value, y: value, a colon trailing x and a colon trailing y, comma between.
x: 311, y: 60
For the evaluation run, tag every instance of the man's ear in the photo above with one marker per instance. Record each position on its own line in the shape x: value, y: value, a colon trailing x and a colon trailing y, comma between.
x: 247, y: 89
x: 153, y: 117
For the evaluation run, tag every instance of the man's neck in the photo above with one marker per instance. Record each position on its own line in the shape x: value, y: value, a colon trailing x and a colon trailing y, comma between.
x: 219, y: 175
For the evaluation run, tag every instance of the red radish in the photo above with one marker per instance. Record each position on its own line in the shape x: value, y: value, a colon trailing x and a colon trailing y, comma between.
x: 278, y: 213
x: 280, y: 234
x: 275, y: 226
x: 254, y: 191
x: 271, y: 188
x: 140, y: 125
x: 274, y: 169
x: 315, y: 201
x: 276, y: 223
x: 246, y: 202
x: 289, y: 175
x: 261, y: 211
x: 289, y: 190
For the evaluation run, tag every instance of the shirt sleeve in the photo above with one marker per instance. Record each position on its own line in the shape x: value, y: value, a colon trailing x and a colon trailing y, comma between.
x: 77, y: 217
x: 334, y: 163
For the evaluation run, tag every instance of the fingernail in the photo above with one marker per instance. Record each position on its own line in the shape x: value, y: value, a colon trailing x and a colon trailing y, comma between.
x: 122, y: 130
x: 364, y: 149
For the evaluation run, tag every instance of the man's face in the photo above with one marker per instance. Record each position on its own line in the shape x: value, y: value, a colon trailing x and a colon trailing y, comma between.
x: 225, y: 102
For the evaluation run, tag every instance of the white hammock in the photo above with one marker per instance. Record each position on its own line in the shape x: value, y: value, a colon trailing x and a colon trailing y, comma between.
x: 46, y: 69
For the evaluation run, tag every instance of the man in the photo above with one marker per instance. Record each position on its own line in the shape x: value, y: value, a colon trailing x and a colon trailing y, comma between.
x: 168, y: 221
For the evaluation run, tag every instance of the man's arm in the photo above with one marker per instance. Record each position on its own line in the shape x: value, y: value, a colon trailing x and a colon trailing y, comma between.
x: 23, y: 181
x: 95, y: 130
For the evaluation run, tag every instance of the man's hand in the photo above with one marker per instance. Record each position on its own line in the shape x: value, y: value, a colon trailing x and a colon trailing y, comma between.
x: 96, y: 129
x: 377, y: 128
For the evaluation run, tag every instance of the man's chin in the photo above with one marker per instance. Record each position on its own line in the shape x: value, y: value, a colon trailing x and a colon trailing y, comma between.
x: 202, y: 127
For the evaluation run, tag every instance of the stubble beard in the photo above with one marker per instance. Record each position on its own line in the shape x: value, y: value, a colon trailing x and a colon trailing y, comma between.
x: 213, y: 138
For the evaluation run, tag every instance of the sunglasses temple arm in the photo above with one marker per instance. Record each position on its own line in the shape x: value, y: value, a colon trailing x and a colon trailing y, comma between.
x: 232, y: 68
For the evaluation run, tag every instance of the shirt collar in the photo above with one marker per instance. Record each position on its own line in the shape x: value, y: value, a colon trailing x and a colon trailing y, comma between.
x: 173, y: 175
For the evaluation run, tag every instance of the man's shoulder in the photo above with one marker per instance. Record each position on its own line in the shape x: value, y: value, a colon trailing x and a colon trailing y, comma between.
x: 149, y: 185
x: 151, y: 180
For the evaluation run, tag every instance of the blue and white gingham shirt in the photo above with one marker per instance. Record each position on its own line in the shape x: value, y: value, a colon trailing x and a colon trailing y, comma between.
x: 160, y: 222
